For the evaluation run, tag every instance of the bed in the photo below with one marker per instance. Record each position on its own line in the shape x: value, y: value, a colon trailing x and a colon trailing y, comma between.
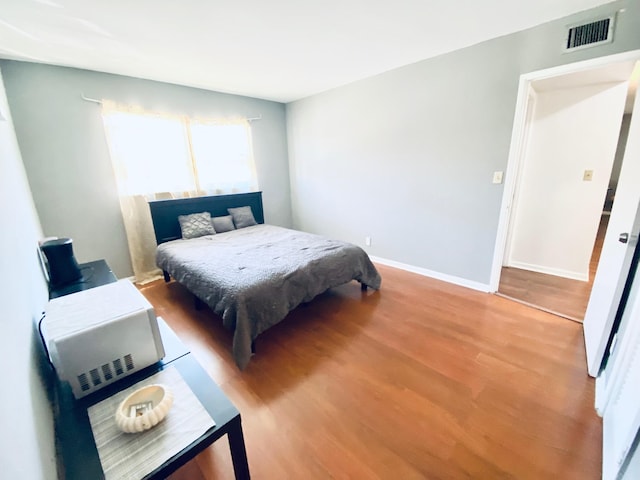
x: 253, y: 276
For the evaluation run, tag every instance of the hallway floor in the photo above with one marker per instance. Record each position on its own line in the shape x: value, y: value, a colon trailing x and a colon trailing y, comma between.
x: 561, y: 296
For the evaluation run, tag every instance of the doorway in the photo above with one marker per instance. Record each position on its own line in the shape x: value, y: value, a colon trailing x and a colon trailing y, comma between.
x: 562, y: 291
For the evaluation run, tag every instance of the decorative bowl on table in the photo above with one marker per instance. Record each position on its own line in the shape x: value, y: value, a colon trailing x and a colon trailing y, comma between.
x: 144, y: 408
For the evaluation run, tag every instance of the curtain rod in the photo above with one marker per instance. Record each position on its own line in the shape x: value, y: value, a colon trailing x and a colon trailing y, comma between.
x: 99, y: 102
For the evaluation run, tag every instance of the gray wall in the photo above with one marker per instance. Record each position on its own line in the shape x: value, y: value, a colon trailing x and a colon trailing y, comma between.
x: 26, y: 433
x: 67, y: 159
x: 407, y: 156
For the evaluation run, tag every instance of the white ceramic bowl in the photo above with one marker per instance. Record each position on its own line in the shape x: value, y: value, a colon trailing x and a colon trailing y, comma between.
x: 144, y: 408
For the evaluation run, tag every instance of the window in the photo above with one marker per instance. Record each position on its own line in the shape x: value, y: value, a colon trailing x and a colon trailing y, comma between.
x: 222, y: 156
x: 164, y: 156
x: 155, y: 154
x: 150, y: 154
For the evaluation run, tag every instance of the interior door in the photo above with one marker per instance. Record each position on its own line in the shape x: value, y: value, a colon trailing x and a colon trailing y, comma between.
x: 617, y: 251
x: 619, y: 384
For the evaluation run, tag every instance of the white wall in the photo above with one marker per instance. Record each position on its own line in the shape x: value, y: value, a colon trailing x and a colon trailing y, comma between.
x: 407, y: 157
x: 26, y: 427
x: 557, y: 213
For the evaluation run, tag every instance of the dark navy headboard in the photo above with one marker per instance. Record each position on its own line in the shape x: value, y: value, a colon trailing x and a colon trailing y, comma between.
x: 164, y: 213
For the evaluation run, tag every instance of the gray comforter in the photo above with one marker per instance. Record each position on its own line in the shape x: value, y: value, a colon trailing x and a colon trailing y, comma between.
x: 253, y: 277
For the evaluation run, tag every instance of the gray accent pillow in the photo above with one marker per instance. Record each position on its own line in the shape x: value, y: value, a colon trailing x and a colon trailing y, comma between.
x: 223, y: 224
x: 242, y: 217
x: 196, y: 225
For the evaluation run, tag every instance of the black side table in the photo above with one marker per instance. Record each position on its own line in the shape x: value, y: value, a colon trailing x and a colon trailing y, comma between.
x: 75, y: 443
x: 94, y: 274
x: 77, y: 448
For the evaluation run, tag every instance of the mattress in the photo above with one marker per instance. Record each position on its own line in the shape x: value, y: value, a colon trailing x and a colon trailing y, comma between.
x: 253, y: 277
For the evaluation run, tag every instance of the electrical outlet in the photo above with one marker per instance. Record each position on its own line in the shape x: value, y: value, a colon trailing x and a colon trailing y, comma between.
x: 497, y: 177
x: 367, y: 241
x: 587, y: 176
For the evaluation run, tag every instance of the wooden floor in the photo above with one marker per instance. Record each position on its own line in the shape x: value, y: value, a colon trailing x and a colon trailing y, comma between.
x: 562, y: 296
x: 421, y: 379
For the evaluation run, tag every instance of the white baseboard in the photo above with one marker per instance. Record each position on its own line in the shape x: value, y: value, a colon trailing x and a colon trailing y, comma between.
x: 463, y: 282
x: 558, y: 272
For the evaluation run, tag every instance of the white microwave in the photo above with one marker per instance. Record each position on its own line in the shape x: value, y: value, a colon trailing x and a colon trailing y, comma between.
x: 98, y: 336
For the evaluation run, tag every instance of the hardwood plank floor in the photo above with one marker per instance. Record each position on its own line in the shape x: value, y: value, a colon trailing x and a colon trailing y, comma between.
x: 561, y: 296
x: 421, y: 379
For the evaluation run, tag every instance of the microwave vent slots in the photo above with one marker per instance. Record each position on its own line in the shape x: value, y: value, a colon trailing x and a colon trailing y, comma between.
x: 128, y: 360
x: 95, y: 377
x: 84, y: 382
x: 117, y: 365
x: 107, y: 373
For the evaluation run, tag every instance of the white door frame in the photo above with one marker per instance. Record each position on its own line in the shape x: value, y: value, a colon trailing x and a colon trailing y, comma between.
x: 518, y: 138
x: 530, y: 108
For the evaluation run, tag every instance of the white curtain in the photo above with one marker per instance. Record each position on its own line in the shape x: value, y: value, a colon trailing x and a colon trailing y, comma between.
x: 159, y: 156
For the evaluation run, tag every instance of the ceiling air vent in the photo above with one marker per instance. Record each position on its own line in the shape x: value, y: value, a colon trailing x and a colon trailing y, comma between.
x: 589, y: 34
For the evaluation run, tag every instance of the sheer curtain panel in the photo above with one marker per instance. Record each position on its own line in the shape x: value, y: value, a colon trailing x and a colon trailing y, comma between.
x: 160, y: 156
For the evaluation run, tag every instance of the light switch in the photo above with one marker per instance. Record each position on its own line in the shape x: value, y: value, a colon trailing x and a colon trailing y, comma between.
x: 588, y: 175
x: 497, y: 177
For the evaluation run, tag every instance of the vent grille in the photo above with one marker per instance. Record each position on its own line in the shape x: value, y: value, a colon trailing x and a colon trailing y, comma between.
x: 95, y: 377
x: 107, y: 373
x: 117, y: 365
x: 128, y: 362
x: 84, y: 382
x: 589, y: 34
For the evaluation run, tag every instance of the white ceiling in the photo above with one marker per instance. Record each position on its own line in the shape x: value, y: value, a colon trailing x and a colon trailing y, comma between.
x: 279, y: 50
